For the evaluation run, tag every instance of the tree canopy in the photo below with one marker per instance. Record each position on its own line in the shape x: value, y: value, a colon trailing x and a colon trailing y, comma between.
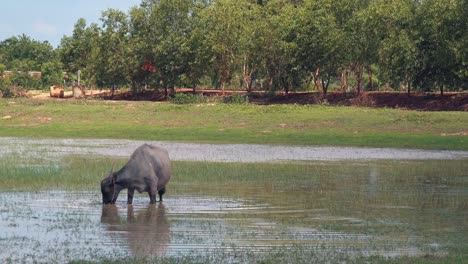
x: 352, y: 45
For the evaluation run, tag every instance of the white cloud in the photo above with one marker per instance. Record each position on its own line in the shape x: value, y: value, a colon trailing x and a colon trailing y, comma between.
x: 44, y: 28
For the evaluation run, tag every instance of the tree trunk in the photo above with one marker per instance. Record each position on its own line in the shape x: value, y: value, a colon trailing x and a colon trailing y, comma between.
x: 378, y: 79
x: 344, y: 80
x: 172, y: 89
x: 441, y: 89
x: 250, y: 84
x: 325, y: 86
x: 358, y: 72
x: 245, y: 77
x: 317, y: 81
x: 371, y: 80
x: 223, y: 83
x: 409, y: 87
x: 307, y: 84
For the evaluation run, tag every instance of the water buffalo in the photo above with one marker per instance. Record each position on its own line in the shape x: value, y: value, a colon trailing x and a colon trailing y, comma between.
x: 148, y: 170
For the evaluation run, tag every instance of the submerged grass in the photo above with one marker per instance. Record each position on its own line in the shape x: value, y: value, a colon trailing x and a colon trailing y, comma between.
x: 227, y: 123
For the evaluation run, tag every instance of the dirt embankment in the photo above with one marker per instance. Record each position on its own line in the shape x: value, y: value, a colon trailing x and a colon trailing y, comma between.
x: 419, y: 101
x: 422, y: 102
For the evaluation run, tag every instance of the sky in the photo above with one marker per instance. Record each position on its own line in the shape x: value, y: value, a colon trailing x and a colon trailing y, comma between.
x: 50, y: 20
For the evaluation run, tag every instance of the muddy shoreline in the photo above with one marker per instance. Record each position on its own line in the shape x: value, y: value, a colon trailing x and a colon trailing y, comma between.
x: 49, y: 148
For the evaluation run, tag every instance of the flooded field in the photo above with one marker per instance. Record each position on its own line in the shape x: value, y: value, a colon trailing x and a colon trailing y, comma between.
x: 292, y: 212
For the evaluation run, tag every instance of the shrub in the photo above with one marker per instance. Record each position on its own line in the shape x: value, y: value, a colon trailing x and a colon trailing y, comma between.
x: 236, y: 99
x: 183, y: 98
x: 7, y: 89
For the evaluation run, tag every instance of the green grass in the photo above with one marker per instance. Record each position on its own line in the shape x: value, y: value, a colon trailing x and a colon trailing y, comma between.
x: 226, y: 123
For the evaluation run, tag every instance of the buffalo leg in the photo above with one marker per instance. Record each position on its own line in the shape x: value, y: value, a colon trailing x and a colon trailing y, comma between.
x: 153, y: 190
x: 117, y: 189
x: 152, y: 196
x: 161, y: 192
x: 131, y: 191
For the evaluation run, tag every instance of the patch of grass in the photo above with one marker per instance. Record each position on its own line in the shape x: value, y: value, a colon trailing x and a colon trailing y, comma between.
x: 71, y: 173
x: 234, y: 123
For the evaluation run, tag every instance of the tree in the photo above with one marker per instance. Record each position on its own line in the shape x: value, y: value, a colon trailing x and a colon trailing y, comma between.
x: 52, y: 73
x: 360, y: 41
x: 140, y: 47
x: 222, y: 34
x: 21, y: 53
x: 251, y: 42
x: 442, y: 51
x: 113, y: 49
x: 199, y: 55
x: 166, y: 42
x: 398, y: 59
x: 393, y: 22
x: 281, y: 68
x: 78, y: 51
x: 319, y: 40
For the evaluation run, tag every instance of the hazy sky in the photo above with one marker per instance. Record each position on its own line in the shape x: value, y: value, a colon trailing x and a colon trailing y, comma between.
x: 52, y: 19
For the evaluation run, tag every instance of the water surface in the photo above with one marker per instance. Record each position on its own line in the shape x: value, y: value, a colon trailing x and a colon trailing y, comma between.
x: 389, y: 209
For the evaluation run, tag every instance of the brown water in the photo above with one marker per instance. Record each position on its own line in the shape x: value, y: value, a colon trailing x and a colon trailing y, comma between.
x: 358, y: 210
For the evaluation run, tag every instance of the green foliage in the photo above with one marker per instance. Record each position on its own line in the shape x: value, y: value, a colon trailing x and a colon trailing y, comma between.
x: 275, y: 45
x: 5, y: 88
x: 187, y: 98
x: 113, y: 49
x: 80, y: 51
x: 25, y: 81
x: 52, y: 73
x: 21, y: 55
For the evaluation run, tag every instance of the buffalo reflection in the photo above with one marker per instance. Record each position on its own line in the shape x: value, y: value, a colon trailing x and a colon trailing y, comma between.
x: 147, y: 233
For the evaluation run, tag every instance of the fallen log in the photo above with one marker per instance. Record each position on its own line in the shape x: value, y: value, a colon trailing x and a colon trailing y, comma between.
x: 56, y: 91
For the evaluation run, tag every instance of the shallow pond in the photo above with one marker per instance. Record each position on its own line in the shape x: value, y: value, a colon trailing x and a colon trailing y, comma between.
x: 322, y: 209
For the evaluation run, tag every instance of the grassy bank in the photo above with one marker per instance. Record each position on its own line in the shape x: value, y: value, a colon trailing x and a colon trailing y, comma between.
x: 221, y: 123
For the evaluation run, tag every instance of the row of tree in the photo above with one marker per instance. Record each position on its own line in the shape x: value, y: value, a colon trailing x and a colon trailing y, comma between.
x: 268, y: 44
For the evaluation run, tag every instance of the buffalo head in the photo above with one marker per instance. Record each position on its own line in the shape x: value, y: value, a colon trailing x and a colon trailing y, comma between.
x: 107, y: 188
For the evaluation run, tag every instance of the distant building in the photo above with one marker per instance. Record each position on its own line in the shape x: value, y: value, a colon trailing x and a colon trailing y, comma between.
x: 7, y: 74
x: 36, y: 74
